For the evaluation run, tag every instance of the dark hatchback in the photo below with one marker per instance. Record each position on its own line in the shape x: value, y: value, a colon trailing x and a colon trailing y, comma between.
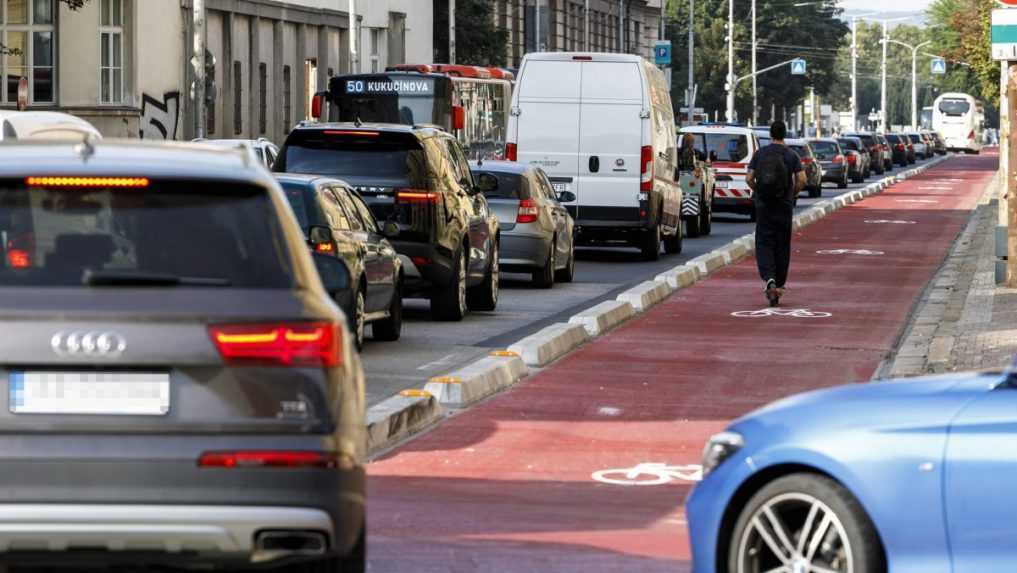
x: 181, y: 390
x: 831, y: 158
x: 813, y: 170
x: 873, y: 147
x: 899, y: 148
x: 419, y: 179
x: 363, y: 270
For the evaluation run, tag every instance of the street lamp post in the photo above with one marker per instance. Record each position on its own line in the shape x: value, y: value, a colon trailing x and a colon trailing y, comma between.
x: 754, y: 104
x: 730, y: 62
x: 689, y: 99
x: 914, y: 78
x: 882, y: 92
x: 854, y: 67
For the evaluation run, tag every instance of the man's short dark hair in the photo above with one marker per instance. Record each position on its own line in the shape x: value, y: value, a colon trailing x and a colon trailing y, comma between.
x: 778, y: 131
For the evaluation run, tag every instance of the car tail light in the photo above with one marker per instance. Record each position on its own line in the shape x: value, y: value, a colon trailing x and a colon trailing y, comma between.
x: 646, y: 168
x: 268, y: 459
x: 417, y: 196
x: 87, y: 181
x: 511, y: 152
x: 19, y: 259
x: 289, y: 344
x: 357, y: 133
x: 852, y: 158
x: 324, y: 248
x: 527, y: 211
x: 838, y: 159
x: 900, y: 147
x: 806, y: 161
x: 421, y: 261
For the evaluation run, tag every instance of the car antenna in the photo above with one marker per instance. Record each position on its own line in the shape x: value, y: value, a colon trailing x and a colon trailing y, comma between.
x: 480, y: 159
x: 356, y: 120
x: 86, y: 148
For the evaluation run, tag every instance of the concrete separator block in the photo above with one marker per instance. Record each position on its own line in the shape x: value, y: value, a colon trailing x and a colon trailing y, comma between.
x: 840, y: 201
x: 748, y: 241
x: 477, y: 381
x: 680, y: 276
x: 604, y: 316
x: 707, y: 263
x: 646, y: 294
x: 732, y: 252
x: 399, y: 417
x: 547, y: 345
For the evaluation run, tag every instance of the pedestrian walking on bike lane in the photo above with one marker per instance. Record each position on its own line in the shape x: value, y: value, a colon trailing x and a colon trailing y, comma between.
x: 775, y: 177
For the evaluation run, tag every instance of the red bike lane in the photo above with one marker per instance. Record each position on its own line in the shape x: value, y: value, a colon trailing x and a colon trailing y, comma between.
x: 508, y: 486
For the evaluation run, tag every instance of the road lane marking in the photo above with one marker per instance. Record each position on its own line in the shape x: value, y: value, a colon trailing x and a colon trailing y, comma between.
x: 447, y: 359
x: 890, y: 222
x: 652, y: 473
x: 850, y: 252
x: 791, y: 312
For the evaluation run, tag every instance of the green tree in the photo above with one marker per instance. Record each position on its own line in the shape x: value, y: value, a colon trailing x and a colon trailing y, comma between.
x: 478, y: 41
x: 960, y: 31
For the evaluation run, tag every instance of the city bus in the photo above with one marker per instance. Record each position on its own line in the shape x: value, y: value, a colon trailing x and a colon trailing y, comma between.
x: 468, y: 101
x: 959, y: 118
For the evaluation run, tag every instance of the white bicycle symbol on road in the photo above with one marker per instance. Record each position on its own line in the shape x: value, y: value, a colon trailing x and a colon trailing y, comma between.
x: 650, y: 474
x: 791, y: 312
x: 890, y: 222
x: 850, y: 252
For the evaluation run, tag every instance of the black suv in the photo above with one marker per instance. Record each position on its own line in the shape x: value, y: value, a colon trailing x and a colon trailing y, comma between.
x: 418, y: 178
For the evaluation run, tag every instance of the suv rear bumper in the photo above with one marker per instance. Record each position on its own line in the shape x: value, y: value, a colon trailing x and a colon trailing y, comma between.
x: 213, y: 531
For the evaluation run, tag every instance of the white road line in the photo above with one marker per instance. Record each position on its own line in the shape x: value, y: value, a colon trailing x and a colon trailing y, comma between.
x: 447, y: 359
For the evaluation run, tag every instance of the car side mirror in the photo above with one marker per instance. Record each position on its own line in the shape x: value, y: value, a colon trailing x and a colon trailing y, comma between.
x: 390, y: 229
x: 566, y: 196
x: 487, y: 182
x: 319, y: 235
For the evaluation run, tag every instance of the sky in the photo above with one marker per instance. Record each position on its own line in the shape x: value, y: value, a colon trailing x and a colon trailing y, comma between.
x: 913, y: 9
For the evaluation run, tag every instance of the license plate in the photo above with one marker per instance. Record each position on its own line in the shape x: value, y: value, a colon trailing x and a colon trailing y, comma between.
x: 560, y: 186
x: 89, y: 393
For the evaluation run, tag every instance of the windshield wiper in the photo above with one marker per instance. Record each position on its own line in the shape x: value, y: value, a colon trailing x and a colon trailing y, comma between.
x: 143, y: 279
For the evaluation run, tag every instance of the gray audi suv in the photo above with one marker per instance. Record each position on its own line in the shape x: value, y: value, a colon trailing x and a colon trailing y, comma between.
x: 176, y: 387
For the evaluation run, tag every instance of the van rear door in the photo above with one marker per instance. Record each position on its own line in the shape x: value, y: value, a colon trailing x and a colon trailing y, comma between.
x: 547, y: 128
x: 611, y: 137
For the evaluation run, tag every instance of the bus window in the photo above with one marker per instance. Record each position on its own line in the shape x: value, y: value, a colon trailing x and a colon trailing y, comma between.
x: 954, y: 107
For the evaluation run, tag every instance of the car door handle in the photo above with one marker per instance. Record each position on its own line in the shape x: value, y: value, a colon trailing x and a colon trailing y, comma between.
x: 594, y: 164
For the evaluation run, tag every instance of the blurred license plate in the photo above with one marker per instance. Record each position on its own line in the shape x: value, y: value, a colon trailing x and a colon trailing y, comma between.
x: 560, y: 186
x: 721, y: 184
x: 95, y: 393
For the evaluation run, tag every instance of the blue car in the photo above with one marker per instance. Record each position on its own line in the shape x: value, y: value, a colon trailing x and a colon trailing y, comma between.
x: 917, y: 475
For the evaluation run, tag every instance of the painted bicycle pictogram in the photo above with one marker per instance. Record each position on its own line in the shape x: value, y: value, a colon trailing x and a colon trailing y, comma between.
x: 790, y: 312
x: 650, y: 474
x: 865, y: 252
x: 890, y: 222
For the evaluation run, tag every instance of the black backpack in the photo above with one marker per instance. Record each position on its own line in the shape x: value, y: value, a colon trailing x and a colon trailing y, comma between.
x: 772, y: 177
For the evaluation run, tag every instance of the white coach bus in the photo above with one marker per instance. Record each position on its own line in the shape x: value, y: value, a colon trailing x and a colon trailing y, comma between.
x: 959, y: 118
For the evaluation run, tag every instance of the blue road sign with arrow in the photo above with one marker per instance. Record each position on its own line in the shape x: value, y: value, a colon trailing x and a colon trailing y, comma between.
x: 798, y: 67
x: 938, y: 66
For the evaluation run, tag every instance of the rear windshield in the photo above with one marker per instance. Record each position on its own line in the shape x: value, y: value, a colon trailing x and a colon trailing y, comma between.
x: 301, y: 198
x: 915, y: 138
x: 510, y: 185
x: 728, y: 146
x: 399, y: 161
x: 892, y: 138
x: 188, y: 234
x: 849, y: 144
x: 954, y: 106
x: 867, y: 140
x: 825, y: 149
x: 800, y: 150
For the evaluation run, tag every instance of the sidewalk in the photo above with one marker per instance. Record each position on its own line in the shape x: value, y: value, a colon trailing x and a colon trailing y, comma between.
x: 509, y: 485
x: 964, y: 321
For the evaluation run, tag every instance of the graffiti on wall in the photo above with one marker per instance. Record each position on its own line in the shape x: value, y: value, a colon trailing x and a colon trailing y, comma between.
x: 159, y: 118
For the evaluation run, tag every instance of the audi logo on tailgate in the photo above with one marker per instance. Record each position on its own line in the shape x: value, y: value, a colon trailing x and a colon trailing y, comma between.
x: 88, y: 343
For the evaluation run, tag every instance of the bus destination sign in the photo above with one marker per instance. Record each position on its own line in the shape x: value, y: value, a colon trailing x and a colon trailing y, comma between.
x: 389, y: 86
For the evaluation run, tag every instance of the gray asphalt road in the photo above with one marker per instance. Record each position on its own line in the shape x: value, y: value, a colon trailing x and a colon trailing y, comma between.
x: 433, y: 348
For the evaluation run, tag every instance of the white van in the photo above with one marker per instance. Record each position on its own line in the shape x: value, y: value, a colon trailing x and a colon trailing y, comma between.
x: 728, y: 149
x: 602, y: 128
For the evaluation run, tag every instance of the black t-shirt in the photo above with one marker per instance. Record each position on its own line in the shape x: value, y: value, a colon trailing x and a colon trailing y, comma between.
x: 791, y: 161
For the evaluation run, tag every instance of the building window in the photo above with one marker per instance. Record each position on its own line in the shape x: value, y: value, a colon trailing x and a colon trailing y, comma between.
x: 27, y: 35
x: 238, y: 94
x: 376, y: 50
x: 287, y: 102
x: 396, y: 38
x: 263, y: 97
x: 111, y: 66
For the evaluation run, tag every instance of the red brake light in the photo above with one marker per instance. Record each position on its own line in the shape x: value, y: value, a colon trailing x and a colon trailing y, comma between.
x: 900, y: 146
x: 646, y: 168
x: 324, y: 248
x: 293, y: 344
x: 838, y: 159
x: 852, y: 159
x: 527, y: 211
x: 316, y: 106
x: 806, y: 160
x: 87, y: 181
x: 267, y: 459
x: 19, y: 259
x: 511, y: 152
x: 351, y: 132
x: 417, y: 196
x: 458, y: 117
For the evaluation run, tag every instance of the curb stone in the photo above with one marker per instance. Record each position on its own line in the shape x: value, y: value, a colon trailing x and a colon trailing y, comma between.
x: 603, y: 317
x: 646, y: 294
x: 547, y: 345
x: 412, y: 411
x: 477, y: 381
x: 399, y: 417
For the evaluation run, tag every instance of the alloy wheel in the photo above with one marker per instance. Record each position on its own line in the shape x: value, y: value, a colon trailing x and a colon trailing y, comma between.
x: 794, y: 533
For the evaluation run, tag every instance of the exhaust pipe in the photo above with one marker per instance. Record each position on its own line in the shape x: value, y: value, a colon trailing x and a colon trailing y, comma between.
x: 272, y: 545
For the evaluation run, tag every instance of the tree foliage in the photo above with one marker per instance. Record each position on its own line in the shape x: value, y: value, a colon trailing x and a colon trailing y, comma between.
x: 478, y: 41
x: 960, y: 30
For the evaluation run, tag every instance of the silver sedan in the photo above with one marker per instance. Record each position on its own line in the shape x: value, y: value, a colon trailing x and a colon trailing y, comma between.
x: 536, y: 230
